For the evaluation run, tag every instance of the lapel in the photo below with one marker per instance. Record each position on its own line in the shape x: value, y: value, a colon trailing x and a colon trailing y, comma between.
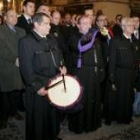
x: 10, y: 39
x: 24, y: 21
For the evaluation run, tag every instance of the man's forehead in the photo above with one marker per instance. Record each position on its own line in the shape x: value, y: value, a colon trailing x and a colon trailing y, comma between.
x: 89, y: 11
x: 44, y: 7
x: 85, y: 20
x: 56, y: 14
x: 45, y: 19
x: 11, y: 12
x: 30, y: 4
x: 135, y: 18
x: 102, y: 17
x: 130, y: 22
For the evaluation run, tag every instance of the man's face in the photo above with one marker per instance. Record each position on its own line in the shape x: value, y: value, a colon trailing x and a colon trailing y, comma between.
x: 91, y: 15
x: 101, y: 21
x: 68, y: 18
x: 136, y: 22
x: 118, y: 20
x: 11, y: 18
x: 44, y: 27
x: 29, y: 9
x: 56, y: 17
x: 44, y: 9
x: 84, y: 25
x: 129, y: 27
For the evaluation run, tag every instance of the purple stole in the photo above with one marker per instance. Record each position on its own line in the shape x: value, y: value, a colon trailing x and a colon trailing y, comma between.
x: 85, y: 48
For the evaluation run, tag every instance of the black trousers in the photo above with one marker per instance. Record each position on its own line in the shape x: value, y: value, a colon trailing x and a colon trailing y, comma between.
x: 9, y: 102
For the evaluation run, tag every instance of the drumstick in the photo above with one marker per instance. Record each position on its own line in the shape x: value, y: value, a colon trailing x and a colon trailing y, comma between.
x: 61, y: 65
x: 48, y: 87
x: 64, y: 82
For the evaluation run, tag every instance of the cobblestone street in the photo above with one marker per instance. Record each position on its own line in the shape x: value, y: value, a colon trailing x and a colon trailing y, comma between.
x: 16, y: 131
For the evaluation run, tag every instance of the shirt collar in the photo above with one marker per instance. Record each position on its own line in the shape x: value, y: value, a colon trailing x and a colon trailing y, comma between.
x: 27, y: 17
x: 11, y: 27
x: 126, y: 36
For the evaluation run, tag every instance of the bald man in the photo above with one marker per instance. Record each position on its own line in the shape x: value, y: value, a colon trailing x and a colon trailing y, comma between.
x: 10, y: 81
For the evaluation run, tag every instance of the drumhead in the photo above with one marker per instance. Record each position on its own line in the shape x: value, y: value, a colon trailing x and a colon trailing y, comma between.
x: 61, y: 98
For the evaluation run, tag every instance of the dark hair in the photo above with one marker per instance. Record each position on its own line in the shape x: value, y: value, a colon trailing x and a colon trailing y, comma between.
x: 118, y: 15
x: 41, y: 4
x: 89, y: 7
x: 99, y: 12
x: 1, y: 18
x: 38, y: 17
x: 27, y: 1
x: 135, y: 15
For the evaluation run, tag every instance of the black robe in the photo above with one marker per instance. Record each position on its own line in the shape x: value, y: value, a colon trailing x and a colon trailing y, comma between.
x: 89, y: 118
x: 124, y: 58
x: 56, y: 30
x: 38, y: 67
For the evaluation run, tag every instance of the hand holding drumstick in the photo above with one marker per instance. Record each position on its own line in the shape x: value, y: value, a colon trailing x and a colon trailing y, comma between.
x: 63, y: 71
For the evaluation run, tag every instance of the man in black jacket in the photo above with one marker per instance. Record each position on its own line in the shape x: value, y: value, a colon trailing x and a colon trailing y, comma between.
x: 39, y: 62
x: 25, y: 20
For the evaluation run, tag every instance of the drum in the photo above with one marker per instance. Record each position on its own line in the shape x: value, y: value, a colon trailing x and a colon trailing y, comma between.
x: 65, y: 99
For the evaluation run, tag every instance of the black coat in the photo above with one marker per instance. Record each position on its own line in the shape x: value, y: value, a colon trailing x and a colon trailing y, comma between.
x: 117, y: 30
x: 124, y: 58
x: 56, y: 30
x: 10, y: 76
x: 22, y: 23
x: 39, y: 62
x: 90, y: 75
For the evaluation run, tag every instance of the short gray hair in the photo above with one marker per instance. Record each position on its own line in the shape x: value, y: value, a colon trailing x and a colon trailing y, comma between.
x: 38, y: 17
x: 125, y: 21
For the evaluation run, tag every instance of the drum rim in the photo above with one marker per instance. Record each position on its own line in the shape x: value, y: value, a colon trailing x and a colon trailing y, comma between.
x: 74, y: 103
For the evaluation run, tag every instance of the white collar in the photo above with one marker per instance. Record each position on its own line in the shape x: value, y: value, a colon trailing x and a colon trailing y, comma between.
x: 11, y: 27
x: 126, y: 36
x: 27, y: 17
x: 136, y: 31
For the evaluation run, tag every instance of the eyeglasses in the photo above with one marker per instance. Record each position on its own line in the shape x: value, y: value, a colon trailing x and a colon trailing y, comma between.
x: 102, y: 19
x: 129, y: 25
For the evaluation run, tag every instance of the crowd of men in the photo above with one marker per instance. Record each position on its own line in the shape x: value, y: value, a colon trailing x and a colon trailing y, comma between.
x: 104, y: 57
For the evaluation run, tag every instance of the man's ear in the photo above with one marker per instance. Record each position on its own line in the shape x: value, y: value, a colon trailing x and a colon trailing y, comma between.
x: 78, y: 26
x: 36, y: 24
x: 5, y: 17
x: 24, y: 8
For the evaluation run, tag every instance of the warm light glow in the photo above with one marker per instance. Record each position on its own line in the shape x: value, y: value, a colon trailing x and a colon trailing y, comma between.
x: 1, y: 6
x: 8, y: 0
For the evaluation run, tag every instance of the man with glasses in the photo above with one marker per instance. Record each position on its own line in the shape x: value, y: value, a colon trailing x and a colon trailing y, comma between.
x: 101, y: 23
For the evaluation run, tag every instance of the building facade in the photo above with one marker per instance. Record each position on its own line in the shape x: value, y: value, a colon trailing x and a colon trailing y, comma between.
x: 109, y: 7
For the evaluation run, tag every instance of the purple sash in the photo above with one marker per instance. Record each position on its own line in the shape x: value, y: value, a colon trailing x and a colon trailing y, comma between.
x: 85, y: 48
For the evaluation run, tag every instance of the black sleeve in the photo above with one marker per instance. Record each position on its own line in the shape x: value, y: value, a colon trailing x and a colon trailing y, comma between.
x: 112, y: 60
x: 26, y: 54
